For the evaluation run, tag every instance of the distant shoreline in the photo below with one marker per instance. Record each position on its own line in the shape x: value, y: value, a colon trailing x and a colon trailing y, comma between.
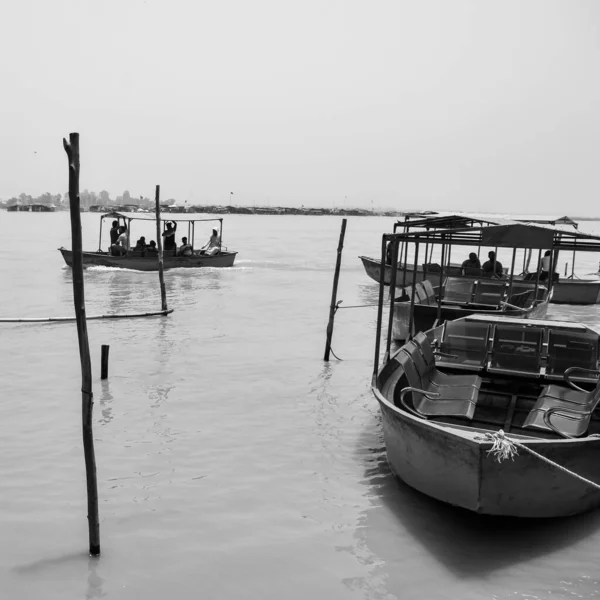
x: 255, y: 210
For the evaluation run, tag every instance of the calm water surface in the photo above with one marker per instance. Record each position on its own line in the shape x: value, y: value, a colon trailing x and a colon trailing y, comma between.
x: 232, y: 462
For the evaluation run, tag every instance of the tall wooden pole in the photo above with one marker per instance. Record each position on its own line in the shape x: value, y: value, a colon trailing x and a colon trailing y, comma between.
x: 336, y: 277
x: 161, y: 276
x: 87, y: 400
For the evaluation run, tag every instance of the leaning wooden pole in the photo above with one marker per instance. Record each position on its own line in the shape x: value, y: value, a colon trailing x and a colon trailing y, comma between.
x: 87, y: 400
x: 336, y: 277
x: 161, y: 276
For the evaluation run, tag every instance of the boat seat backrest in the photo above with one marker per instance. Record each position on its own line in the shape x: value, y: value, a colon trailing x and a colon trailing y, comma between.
x: 517, y: 348
x: 457, y: 289
x: 423, y: 341
x: 489, y: 292
x: 410, y: 370
x: 473, y: 271
x: 466, y: 338
x: 432, y: 268
x: 421, y: 294
x: 521, y: 299
x: 571, y: 349
x: 428, y: 287
x: 423, y: 369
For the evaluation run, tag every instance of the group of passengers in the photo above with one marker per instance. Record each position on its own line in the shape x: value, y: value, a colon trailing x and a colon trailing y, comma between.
x: 493, y: 267
x: 119, y: 242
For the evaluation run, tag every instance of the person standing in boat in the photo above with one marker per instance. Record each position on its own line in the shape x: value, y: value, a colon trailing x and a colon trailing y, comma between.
x: 213, y: 245
x: 169, y: 235
x: 545, y: 265
x: 492, y: 267
x: 121, y: 246
x: 114, y: 232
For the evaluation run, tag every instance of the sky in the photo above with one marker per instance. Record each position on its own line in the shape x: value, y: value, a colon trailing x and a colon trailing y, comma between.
x: 404, y: 104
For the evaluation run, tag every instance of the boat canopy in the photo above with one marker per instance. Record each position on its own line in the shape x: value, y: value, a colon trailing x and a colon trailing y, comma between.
x: 459, y: 220
x: 504, y: 233
x: 151, y: 217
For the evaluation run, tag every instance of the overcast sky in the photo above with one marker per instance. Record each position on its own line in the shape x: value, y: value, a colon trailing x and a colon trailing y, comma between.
x: 439, y: 104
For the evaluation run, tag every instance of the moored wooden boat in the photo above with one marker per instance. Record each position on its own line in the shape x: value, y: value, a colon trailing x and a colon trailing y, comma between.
x: 514, y: 363
x: 461, y: 399
x: 567, y: 290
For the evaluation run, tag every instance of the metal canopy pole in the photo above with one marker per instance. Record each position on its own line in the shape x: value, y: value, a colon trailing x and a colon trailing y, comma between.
x: 388, y: 343
x: 412, y: 296
x: 384, y: 240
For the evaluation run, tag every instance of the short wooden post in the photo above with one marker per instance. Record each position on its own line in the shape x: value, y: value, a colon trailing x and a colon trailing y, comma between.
x: 332, y: 307
x: 87, y: 400
x: 104, y: 362
x: 161, y: 276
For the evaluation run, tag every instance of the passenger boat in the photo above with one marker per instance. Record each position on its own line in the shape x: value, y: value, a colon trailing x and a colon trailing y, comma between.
x: 440, y: 297
x: 141, y: 260
x: 458, y: 399
x: 569, y: 289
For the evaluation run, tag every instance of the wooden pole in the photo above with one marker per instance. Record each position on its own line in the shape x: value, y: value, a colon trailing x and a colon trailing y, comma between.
x: 87, y: 400
x: 336, y: 277
x: 161, y: 277
x: 104, y: 362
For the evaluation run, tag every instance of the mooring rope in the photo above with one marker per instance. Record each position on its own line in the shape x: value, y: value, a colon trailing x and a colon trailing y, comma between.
x: 503, y: 448
x: 356, y: 306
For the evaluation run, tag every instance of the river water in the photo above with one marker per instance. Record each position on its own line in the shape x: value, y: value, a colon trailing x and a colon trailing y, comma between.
x: 232, y: 462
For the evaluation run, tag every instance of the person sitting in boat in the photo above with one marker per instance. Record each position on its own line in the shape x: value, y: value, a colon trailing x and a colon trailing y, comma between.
x: 169, y: 235
x: 471, y: 266
x: 141, y: 244
x: 185, y: 249
x: 492, y: 267
x: 213, y: 245
x: 152, y: 247
x: 114, y: 232
x: 122, y: 244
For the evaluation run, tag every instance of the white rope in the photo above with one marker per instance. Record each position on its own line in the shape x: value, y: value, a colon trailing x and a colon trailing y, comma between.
x: 503, y: 448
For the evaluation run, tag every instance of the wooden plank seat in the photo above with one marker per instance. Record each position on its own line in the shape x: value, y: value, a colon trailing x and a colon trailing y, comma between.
x: 516, y: 349
x: 568, y: 349
x: 424, y: 358
x: 429, y: 400
x: 566, y: 411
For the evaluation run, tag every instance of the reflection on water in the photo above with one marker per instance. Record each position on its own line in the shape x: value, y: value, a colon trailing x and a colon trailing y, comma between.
x: 94, y: 581
x: 105, y: 402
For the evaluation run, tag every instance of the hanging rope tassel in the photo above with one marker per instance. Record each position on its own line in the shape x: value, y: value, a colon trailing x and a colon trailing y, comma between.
x: 503, y: 448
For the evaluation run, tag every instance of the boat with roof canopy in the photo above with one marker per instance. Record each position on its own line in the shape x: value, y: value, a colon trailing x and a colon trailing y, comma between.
x: 568, y: 289
x: 145, y: 260
x: 490, y: 413
x: 442, y: 297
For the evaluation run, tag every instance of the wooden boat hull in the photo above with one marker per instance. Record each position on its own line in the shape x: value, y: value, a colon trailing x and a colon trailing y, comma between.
x: 150, y: 263
x: 425, y: 316
x: 576, y: 291
x: 452, y: 464
x: 566, y: 291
